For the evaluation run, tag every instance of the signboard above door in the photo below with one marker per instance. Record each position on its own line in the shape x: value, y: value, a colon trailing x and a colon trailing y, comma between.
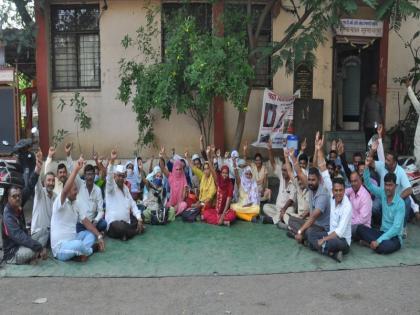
x: 7, y: 75
x: 362, y: 28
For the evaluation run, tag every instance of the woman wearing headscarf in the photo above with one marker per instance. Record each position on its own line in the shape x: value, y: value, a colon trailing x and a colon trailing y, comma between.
x: 248, y: 205
x: 177, y: 184
x: 221, y: 214
x: 133, y: 179
x: 154, y: 195
x: 207, y: 185
x: 154, y: 176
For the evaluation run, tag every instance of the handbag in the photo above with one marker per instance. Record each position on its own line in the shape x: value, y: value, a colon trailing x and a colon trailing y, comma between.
x: 159, y: 216
x: 190, y: 215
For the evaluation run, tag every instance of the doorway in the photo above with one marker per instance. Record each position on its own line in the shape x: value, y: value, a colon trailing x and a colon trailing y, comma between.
x: 356, y: 67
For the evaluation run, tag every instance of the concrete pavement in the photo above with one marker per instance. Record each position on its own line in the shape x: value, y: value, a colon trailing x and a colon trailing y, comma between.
x: 369, y: 291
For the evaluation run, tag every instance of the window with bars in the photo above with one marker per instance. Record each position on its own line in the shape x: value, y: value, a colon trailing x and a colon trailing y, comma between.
x: 202, y: 12
x: 75, y: 47
x: 263, y: 75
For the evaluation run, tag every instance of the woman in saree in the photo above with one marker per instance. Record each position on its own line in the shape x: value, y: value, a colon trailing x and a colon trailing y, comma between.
x: 177, y: 184
x: 248, y: 205
x: 221, y: 214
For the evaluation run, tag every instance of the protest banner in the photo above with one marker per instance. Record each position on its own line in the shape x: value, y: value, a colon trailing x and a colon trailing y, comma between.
x: 276, y: 120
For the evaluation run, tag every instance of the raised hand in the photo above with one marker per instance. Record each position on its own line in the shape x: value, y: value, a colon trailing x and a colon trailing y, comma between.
x: 317, y: 135
x: 51, y: 152
x: 80, y: 163
x: 218, y: 153
x: 162, y: 152
x: 186, y: 154
x: 95, y: 156
x: 208, y: 150
x: 38, y: 165
x: 380, y: 130
x: 39, y: 156
x: 375, y: 145
x: 407, y: 82
x: 303, y: 145
x: 113, y: 155
x: 319, y: 144
x: 286, y: 153
x: 245, y: 148
x: 213, y: 149
x: 227, y: 154
x: 340, y: 147
x: 270, y: 144
x: 334, y: 145
x: 68, y: 147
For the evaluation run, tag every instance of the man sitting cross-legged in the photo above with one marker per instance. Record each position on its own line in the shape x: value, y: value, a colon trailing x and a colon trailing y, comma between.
x: 389, y: 238
x: 123, y: 216
x: 319, y: 202
x: 89, y: 198
x: 19, y: 247
x: 361, y: 202
x: 66, y: 243
x: 336, y: 241
x: 43, y: 202
x: 286, y: 199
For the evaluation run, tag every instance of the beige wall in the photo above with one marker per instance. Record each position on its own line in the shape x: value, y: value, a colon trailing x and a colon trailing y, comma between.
x: 400, y: 62
x: 113, y: 124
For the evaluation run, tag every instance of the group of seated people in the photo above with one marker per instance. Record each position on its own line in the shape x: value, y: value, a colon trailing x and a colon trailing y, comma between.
x: 323, y: 203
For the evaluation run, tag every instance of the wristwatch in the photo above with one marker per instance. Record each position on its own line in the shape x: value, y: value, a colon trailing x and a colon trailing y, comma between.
x: 100, y: 237
x: 299, y: 232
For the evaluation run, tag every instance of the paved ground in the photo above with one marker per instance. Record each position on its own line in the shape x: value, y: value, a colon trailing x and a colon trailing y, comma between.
x: 370, y: 291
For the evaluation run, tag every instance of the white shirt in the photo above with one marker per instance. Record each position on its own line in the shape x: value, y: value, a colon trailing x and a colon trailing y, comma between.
x: 58, y: 188
x: 119, y: 203
x: 416, y: 105
x: 340, y: 219
x: 287, y: 190
x: 63, y: 222
x: 42, y: 211
x: 91, y: 204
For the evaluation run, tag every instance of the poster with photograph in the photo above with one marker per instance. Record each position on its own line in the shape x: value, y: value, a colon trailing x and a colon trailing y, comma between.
x: 276, y: 120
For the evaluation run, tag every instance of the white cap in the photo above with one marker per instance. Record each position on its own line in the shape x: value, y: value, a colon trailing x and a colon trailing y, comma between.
x: 234, y: 154
x: 195, y: 157
x: 120, y: 169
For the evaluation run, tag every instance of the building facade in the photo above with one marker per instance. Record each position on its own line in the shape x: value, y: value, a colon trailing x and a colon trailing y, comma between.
x: 79, y: 47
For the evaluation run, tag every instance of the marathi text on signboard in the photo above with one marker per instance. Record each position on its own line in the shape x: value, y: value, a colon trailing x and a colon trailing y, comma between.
x: 357, y: 27
x: 276, y: 120
x: 303, y: 81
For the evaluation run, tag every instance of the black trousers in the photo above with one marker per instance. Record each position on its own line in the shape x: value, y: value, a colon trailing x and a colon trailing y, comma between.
x: 386, y: 247
x: 122, y: 229
x: 332, y: 246
x: 296, y: 223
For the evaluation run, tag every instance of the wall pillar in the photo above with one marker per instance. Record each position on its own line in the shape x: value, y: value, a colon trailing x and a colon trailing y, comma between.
x: 42, y: 76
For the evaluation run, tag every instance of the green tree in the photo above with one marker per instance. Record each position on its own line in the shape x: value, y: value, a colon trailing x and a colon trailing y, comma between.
x: 312, y: 20
x: 197, y: 66
x: 18, y: 14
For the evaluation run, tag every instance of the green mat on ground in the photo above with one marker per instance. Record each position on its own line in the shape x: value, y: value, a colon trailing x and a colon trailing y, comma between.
x: 184, y: 249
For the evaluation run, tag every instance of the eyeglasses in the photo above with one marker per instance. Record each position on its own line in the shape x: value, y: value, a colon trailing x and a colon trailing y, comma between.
x: 16, y: 196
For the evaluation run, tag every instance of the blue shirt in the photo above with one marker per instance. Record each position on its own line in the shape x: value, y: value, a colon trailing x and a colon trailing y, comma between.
x: 392, y: 213
x: 320, y: 199
x: 402, y: 180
